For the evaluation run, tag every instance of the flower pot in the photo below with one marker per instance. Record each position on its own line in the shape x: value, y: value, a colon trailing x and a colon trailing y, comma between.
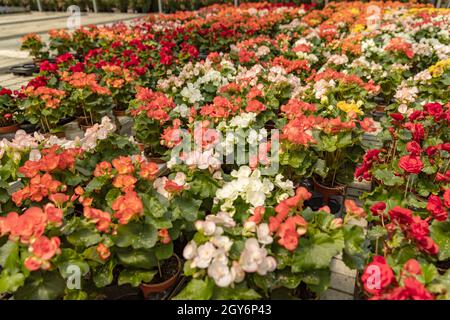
x: 119, y: 113
x: 328, y: 191
x: 27, y: 69
x: 149, y: 288
x: 317, y: 201
x: 156, y: 160
x: 83, y: 123
x: 10, y: 129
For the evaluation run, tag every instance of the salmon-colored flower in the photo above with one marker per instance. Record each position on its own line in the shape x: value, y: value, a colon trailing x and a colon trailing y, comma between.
x: 102, y: 168
x: 123, y: 165
x: 149, y: 170
x: 127, y: 206
x: 103, y: 251
x: 124, y: 182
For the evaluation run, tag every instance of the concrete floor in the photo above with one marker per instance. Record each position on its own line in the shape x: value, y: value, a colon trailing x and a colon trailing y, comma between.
x: 15, y: 26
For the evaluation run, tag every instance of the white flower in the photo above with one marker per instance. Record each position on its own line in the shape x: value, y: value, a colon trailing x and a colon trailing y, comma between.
x: 222, y: 218
x: 263, y: 234
x: 237, y: 272
x: 220, y: 273
x: 190, y: 251
x: 35, y: 155
x: 222, y: 242
x: 255, y: 259
x: 205, y: 253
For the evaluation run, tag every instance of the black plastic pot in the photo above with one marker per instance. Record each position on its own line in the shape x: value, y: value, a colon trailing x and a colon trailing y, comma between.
x: 335, y: 203
x: 27, y: 69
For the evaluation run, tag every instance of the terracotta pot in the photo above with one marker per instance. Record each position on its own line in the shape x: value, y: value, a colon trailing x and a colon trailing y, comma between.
x: 328, y: 191
x: 148, y: 288
x: 119, y: 113
x: 10, y: 129
x: 156, y: 160
x: 141, y: 146
x: 83, y: 123
x: 380, y: 108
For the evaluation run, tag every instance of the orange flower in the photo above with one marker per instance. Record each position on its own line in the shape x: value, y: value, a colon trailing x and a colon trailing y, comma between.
x: 101, y: 218
x: 102, y: 168
x: 43, y: 249
x: 53, y: 214
x: 127, y: 207
x: 124, y: 182
x: 352, y: 208
x: 103, y: 251
x: 149, y: 170
x: 165, y: 236
x: 123, y: 165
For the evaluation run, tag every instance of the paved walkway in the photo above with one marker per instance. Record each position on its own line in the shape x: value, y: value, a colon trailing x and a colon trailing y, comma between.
x: 15, y: 26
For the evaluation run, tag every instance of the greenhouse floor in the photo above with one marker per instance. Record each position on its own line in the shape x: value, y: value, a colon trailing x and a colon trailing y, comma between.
x: 14, y: 26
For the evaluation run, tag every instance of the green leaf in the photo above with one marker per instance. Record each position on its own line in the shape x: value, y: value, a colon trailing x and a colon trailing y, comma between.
x: 440, y: 232
x: 164, y: 251
x: 42, y: 286
x: 186, y: 207
x: 152, y: 206
x: 103, y: 275
x: 135, y: 234
x: 135, y: 277
x: 9, y: 256
x: 84, y: 237
x: 356, y: 249
x: 197, y: 290
x: 10, y: 282
x: 376, y: 232
x: 96, y: 183
x: 112, y: 195
x: 143, y: 259
x: 317, y: 280
x: 76, y: 295
x: 317, y: 252
x: 387, y: 177
x: 239, y: 292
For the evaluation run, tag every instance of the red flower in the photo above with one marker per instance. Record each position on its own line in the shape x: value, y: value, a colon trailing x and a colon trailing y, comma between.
x: 377, y: 276
x: 414, y: 148
x: 447, y: 198
x: 428, y: 245
x: 416, y: 129
x: 434, y: 109
x: 378, y: 208
x: 412, y: 267
x: 397, y: 116
x: 436, y: 208
x: 411, y: 164
x: 402, y: 215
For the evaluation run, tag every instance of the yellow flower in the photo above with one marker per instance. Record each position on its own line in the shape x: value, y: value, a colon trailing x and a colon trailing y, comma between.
x: 355, y: 11
x: 358, y: 28
x: 438, y: 69
x: 350, y: 107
